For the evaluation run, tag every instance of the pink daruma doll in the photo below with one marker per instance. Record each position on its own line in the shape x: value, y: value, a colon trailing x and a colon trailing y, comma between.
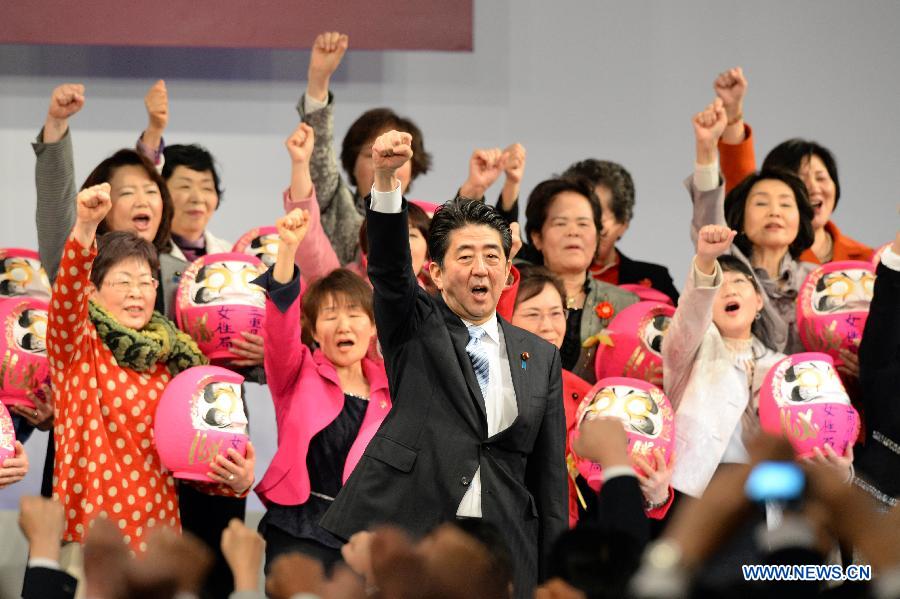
x: 261, y: 242
x: 645, y: 410
x: 21, y: 273
x: 200, y: 415
x: 216, y: 300
x: 636, y: 335
x: 7, y: 435
x: 833, y: 305
x: 23, y: 350
x: 802, y: 397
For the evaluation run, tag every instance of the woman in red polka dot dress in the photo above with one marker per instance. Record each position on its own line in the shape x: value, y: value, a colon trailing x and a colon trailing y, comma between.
x: 110, y: 358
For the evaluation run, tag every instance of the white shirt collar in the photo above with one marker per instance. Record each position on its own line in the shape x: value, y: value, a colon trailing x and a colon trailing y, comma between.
x: 491, y: 327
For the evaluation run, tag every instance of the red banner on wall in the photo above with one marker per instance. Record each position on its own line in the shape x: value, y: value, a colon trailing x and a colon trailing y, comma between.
x: 372, y: 24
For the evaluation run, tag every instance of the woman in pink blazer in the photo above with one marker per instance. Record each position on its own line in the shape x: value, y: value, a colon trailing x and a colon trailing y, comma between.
x: 328, y: 403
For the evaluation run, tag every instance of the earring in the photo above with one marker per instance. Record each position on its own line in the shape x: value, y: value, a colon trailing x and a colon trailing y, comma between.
x: 758, y: 315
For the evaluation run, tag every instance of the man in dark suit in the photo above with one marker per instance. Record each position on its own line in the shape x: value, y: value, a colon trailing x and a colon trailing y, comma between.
x: 477, y: 426
x: 878, y: 459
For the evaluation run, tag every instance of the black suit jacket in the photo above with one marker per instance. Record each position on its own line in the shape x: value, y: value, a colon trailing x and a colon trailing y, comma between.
x: 878, y: 461
x: 418, y: 466
x: 633, y: 272
x: 48, y: 583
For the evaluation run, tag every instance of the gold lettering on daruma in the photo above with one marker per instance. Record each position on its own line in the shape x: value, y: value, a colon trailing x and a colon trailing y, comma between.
x: 203, y: 449
x: 802, y: 428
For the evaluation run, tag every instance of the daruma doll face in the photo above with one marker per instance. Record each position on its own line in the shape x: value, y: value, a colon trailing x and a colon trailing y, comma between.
x: 833, y: 305
x: 23, y: 354
x: 216, y: 301
x: 219, y: 406
x: 21, y: 274
x: 201, y: 415
x: 643, y: 409
x: 803, y: 398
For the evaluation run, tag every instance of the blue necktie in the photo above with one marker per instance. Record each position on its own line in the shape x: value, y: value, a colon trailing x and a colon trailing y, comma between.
x: 478, y: 355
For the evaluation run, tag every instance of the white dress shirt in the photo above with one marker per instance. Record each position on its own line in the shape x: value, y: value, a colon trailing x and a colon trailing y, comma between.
x: 499, y: 404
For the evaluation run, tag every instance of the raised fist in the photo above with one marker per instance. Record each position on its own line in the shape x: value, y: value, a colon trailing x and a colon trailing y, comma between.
x: 714, y: 241
x: 485, y: 167
x: 292, y: 227
x: 157, y: 103
x: 513, y: 162
x: 731, y: 86
x: 710, y: 123
x: 300, y: 143
x: 93, y: 204
x: 66, y: 100
x: 327, y: 52
x: 391, y: 150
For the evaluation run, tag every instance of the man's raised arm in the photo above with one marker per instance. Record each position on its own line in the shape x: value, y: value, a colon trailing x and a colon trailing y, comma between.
x: 390, y: 262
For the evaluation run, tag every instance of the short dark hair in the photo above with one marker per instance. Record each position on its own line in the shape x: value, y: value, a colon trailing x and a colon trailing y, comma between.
x: 614, y: 177
x: 545, y: 193
x: 418, y: 219
x: 533, y: 279
x: 104, y: 172
x: 789, y: 155
x: 340, y: 284
x: 195, y: 157
x: 117, y: 246
x: 367, y: 127
x: 736, y: 202
x: 458, y: 213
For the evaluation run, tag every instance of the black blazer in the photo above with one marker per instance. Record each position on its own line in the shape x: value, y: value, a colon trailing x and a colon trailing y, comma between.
x: 48, y: 583
x: 418, y: 466
x: 633, y: 272
x: 878, y: 460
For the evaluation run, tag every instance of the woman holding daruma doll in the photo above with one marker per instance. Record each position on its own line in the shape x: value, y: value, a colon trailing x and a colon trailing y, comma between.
x: 716, y: 354
x: 111, y: 355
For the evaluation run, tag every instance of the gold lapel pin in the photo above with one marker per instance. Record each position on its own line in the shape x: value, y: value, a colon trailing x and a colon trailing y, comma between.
x: 524, y: 356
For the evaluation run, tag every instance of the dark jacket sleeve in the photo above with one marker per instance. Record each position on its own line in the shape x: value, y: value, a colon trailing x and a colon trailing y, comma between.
x: 545, y: 474
x: 48, y: 583
x: 620, y: 507
x: 396, y: 289
x: 879, y: 355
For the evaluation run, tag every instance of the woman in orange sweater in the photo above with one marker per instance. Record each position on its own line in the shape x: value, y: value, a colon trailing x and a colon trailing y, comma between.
x: 810, y: 161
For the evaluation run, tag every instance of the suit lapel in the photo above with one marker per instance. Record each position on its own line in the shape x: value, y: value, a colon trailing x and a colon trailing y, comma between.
x: 459, y: 334
x: 514, y: 347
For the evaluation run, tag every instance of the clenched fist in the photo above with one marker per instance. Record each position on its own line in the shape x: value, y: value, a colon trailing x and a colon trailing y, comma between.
x: 292, y: 227
x: 731, y: 86
x: 300, y: 144
x: 513, y: 162
x: 390, y: 151
x: 327, y: 52
x: 66, y: 100
x: 712, y: 242
x: 485, y: 166
x: 157, y: 103
x: 93, y: 204
x: 710, y: 123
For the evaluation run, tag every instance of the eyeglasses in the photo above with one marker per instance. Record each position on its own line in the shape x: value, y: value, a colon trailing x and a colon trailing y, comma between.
x: 123, y: 286
x: 552, y: 315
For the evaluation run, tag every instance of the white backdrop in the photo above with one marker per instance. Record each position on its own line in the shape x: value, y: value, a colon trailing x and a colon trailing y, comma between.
x: 614, y: 80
